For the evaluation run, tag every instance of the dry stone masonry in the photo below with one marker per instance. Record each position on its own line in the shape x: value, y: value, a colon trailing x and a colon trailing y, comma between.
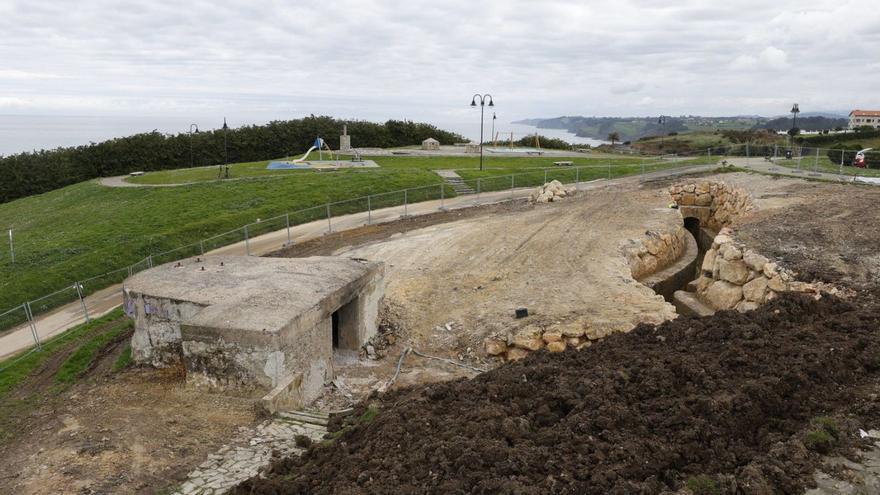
x: 656, y: 252
x: 714, y: 204
x: 557, y: 337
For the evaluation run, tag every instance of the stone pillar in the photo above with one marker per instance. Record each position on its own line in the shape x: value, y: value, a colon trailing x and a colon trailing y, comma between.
x: 344, y: 140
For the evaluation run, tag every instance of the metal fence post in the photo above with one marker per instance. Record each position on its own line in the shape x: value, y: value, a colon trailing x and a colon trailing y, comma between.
x: 442, y: 195
x: 370, y: 209
x: 545, y: 176
x: 405, y: 201
x: 842, y: 152
x: 775, y: 150
x: 747, y: 154
x: 609, y: 171
x: 329, y: 224
x: 816, y: 163
x: 30, y: 316
x: 11, y: 248
x: 129, y: 271
x: 202, y: 247
x: 478, y: 188
x: 247, y: 244
x: 287, y: 223
x: 512, y: 184
x: 149, y: 261
x: 82, y: 300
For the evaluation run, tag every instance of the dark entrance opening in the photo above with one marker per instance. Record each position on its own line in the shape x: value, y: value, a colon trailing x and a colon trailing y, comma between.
x: 334, y: 318
x: 693, y: 226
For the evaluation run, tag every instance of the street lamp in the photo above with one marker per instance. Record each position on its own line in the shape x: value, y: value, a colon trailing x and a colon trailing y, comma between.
x: 662, y: 122
x: 191, y: 127
x: 794, y: 111
x: 482, y: 106
x: 225, y: 147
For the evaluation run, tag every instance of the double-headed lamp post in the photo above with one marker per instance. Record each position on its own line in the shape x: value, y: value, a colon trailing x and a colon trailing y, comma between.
x: 192, y: 128
x: 794, y: 111
x: 482, y: 99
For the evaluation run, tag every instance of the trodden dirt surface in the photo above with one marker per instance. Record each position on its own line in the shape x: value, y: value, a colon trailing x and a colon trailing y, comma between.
x: 131, y: 431
x: 727, y: 401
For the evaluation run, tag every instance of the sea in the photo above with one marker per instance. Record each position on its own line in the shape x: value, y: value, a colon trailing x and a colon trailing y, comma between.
x: 20, y: 133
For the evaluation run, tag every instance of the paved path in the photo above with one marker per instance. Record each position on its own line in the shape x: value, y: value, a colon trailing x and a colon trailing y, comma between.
x: 55, y: 322
x: 761, y: 165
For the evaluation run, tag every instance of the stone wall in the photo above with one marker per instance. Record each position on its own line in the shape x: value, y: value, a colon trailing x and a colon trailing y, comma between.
x: 555, y: 337
x: 656, y: 252
x: 714, y: 203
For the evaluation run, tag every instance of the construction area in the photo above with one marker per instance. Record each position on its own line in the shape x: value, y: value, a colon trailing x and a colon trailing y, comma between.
x: 704, y: 334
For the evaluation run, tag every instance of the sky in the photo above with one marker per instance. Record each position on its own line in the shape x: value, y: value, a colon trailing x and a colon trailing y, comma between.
x: 423, y: 60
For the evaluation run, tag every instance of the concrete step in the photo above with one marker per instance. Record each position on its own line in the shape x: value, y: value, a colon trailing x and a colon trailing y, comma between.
x: 687, y: 303
x: 304, y: 417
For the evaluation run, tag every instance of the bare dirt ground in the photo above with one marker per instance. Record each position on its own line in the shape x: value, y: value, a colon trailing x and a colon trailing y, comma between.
x: 135, y: 431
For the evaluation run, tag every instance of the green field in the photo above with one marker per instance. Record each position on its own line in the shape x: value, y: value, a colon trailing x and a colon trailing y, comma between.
x: 88, y: 229
x: 824, y: 164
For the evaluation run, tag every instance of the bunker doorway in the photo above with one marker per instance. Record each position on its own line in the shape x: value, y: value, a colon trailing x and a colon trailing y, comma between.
x: 334, y: 318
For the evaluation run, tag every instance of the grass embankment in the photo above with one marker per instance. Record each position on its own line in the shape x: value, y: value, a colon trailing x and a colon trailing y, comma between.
x: 17, y: 368
x: 87, y: 229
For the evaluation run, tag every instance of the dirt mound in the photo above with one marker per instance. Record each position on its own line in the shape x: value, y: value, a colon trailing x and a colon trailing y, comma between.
x: 724, y: 402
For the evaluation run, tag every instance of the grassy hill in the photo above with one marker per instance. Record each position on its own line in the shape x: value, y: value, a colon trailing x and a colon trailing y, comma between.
x: 86, y: 229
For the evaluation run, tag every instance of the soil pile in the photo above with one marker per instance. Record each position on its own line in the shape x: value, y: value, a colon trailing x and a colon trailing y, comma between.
x: 722, y: 402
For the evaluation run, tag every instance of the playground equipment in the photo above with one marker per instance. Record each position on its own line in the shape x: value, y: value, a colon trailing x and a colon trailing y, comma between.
x: 319, y: 145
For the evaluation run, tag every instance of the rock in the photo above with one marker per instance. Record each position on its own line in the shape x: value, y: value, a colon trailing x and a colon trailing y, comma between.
x: 495, y: 347
x: 584, y: 345
x: 689, y: 188
x: 709, y: 260
x: 703, y: 200
x: 730, y: 252
x: 770, y: 270
x: 688, y: 199
x: 572, y: 341
x: 800, y: 287
x: 515, y: 354
x: 754, y: 260
x: 734, y: 271
x: 720, y: 240
x: 530, y: 344
x: 556, y: 346
x: 723, y: 295
x: 552, y: 336
x: 703, y: 283
x: 777, y: 284
x: 744, y: 306
x: 756, y: 290
x: 571, y: 330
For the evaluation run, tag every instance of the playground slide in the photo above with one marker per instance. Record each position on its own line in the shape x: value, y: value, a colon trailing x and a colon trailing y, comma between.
x: 303, y: 158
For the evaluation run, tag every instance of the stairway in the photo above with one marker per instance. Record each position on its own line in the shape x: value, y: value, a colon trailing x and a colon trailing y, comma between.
x: 453, y: 179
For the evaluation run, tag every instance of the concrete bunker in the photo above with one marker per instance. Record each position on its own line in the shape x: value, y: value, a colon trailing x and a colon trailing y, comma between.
x: 248, y: 322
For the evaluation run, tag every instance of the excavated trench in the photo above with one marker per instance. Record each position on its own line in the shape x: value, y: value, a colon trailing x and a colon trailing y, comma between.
x: 678, y: 275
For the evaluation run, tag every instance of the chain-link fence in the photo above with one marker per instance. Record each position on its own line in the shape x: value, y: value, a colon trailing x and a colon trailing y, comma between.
x: 285, y: 229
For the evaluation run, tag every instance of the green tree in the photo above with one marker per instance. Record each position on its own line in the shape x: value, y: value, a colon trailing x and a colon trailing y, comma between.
x: 613, y: 137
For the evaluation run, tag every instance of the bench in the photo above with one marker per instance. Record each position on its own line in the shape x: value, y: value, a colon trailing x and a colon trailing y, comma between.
x: 563, y: 164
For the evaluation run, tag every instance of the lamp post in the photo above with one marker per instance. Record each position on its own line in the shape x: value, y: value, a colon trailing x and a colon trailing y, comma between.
x: 225, y: 147
x: 794, y: 111
x: 483, y: 99
x: 191, y: 127
x: 662, y: 122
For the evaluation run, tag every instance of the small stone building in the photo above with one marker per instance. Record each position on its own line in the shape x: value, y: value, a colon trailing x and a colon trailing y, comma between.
x: 256, y: 323
x: 431, y: 144
x: 472, y: 148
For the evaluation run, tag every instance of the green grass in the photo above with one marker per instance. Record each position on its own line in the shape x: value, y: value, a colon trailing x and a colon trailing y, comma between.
x: 86, y: 229
x: 826, y: 165
x: 395, y: 163
x: 703, y: 485
x: 17, y: 368
x: 124, y: 358
x: 823, y: 435
x: 81, y: 359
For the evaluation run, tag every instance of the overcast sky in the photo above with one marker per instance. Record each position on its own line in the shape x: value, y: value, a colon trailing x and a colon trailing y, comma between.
x: 424, y: 60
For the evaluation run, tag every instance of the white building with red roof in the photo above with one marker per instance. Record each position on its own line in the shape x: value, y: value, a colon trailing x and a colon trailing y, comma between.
x: 859, y: 118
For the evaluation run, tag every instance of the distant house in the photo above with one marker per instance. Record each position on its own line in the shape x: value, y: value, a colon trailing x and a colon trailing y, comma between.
x: 859, y: 118
x: 430, y: 144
